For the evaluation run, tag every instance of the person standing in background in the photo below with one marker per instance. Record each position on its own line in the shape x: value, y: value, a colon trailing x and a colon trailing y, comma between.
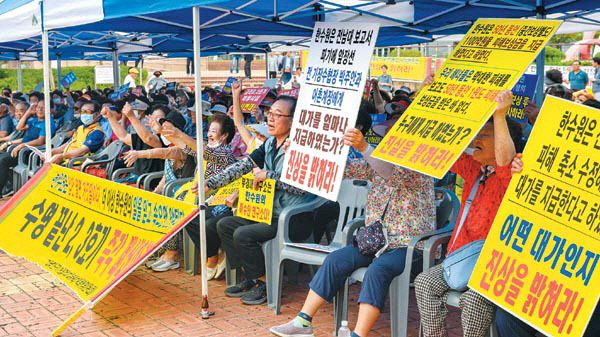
x: 577, y: 78
x: 248, y: 58
x: 596, y: 78
x: 235, y: 59
x: 274, y: 61
x: 131, y: 77
x: 287, y: 66
x: 385, y: 79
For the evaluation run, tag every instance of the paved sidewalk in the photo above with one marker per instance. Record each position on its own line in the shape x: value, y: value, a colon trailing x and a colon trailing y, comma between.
x: 33, y: 303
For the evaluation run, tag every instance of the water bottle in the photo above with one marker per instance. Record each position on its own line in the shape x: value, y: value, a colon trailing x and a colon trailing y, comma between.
x: 344, y: 331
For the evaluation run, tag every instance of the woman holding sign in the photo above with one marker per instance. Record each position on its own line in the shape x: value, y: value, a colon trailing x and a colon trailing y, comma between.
x: 486, y: 176
x: 402, y: 202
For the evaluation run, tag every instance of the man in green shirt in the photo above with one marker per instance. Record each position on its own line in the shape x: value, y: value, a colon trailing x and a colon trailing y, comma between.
x: 385, y: 79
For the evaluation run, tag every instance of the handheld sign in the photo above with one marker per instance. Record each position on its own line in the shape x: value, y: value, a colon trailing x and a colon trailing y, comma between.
x: 290, y: 92
x: 523, y: 93
x: 256, y: 204
x: 446, y: 115
x: 540, y: 257
x: 68, y: 79
x: 336, y: 71
x: 221, y: 196
x: 227, y: 86
x: 252, y: 97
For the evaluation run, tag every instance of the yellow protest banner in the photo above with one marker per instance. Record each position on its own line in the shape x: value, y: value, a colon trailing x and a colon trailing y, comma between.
x: 256, y: 204
x: 541, y: 253
x: 222, y: 194
x: 87, y: 231
x: 446, y: 115
x: 406, y: 68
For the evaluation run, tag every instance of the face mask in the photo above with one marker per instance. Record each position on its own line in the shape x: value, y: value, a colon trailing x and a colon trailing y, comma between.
x: 165, y: 140
x: 76, y: 116
x: 57, y: 100
x: 469, y: 151
x: 136, y: 114
x: 87, y: 119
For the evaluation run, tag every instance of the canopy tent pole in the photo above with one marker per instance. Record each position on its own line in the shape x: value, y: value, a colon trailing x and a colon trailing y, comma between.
x: 47, y: 98
x: 267, y: 64
x: 200, y: 156
x: 58, y: 74
x: 141, y: 71
x: 115, y: 64
x: 19, y: 75
x: 540, y: 61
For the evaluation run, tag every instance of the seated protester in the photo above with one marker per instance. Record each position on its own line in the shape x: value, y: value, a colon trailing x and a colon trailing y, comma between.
x: 403, y: 200
x: 35, y: 97
x: 34, y: 123
x: 218, y: 156
x: 20, y: 109
x: 487, y: 173
x: 190, y: 120
x: 87, y: 139
x: 6, y: 122
x: 143, y: 139
x: 240, y: 238
x: 560, y: 91
x: 178, y: 164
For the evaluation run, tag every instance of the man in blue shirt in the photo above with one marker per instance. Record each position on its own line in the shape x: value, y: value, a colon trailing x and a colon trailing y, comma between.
x: 577, y: 78
x: 6, y: 122
x: 34, y: 122
x: 596, y: 79
x: 88, y: 138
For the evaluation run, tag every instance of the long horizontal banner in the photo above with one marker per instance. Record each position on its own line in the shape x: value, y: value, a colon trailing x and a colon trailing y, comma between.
x: 87, y: 231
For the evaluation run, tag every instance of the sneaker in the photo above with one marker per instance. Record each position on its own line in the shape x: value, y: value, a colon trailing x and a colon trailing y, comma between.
x: 240, y: 289
x: 290, y: 330
x: 258, y: 294
x: 152, y: 262
x: 165, y: 266
x: 220, y: 269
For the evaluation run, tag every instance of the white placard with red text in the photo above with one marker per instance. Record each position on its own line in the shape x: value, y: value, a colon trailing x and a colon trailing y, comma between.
x: 335, y: 75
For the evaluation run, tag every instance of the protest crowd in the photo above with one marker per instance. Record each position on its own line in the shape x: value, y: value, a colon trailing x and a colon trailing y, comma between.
x: 145, y: 137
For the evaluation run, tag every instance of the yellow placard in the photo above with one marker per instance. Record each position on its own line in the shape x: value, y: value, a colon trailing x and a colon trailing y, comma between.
x: 446, y: 115
x: 256, y: 205
x: 87, y: 231
x: 224, y: 192
x: 541, y: 253
x: 407, y: 68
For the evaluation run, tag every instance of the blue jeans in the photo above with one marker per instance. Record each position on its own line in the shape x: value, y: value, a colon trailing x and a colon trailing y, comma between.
x: 341, y: 263
x: 510, y: 326
x: 235, y: 59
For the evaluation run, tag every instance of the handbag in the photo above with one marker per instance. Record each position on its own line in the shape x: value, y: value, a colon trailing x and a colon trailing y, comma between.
x: 459, y: 265
x: 373, y: 239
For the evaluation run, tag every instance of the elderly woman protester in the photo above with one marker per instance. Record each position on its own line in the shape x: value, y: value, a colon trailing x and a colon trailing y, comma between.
x: 403, y: 201
x: 486, y: 176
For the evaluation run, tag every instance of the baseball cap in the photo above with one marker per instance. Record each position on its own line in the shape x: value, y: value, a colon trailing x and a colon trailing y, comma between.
x: 134, y: 70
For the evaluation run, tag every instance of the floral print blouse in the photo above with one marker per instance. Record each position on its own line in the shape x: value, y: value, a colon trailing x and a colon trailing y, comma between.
x: 411, y: 208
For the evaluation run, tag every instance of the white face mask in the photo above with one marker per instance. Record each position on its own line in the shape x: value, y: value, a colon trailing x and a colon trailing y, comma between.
x: 165, y: 140
x: 87, y: 119
x: 57, y: 101
x: 137, y: 114
x: 469, y: 151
